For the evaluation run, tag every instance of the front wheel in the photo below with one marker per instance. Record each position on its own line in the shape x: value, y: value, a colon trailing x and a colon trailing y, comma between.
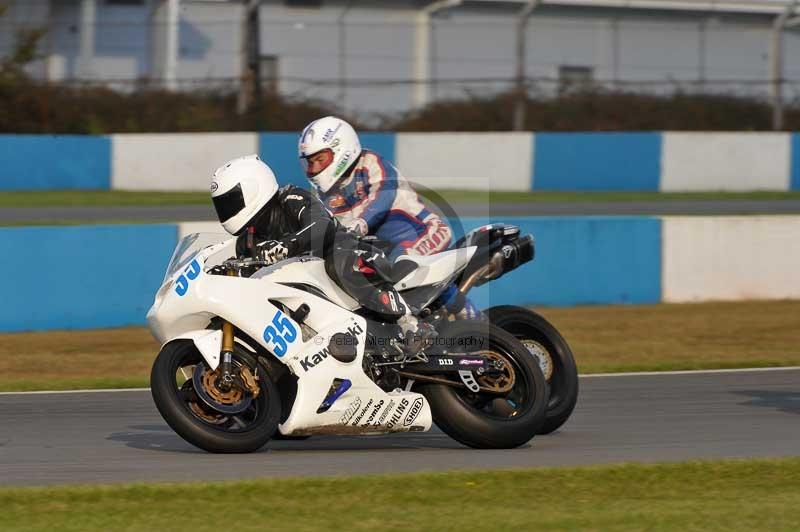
x: 186, y: 392
x: 550, y: 349
x: 489, y: 419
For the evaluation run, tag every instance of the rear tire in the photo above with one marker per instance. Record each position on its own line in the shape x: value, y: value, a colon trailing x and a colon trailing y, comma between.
x: 483, y: 420
x: 525, y: 324
x: 182, y: 416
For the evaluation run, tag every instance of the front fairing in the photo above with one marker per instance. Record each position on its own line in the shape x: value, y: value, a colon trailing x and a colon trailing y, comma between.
x: 193, y: 254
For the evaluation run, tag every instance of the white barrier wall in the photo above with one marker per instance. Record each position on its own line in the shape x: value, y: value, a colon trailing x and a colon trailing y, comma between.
x: 730, y: 258
x: 725, y: 161
x: 187, y: 228
x: 476, y: 161
x: 669, y: 162
x: 179, y: 161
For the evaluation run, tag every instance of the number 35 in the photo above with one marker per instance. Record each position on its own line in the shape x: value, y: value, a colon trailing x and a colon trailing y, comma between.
x: 280, y: 334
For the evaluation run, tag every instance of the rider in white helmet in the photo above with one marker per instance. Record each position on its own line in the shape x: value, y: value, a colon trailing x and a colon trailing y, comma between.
x: 275, y: 223
x: 368, y: 195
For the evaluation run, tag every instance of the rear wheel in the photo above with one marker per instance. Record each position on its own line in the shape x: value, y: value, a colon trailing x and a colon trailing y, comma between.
x: 554, y: 356
x: 490, y: 419
x: 187, y: 394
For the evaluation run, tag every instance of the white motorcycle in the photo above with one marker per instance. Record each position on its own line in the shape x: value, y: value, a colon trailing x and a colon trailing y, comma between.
x: 251, y: 351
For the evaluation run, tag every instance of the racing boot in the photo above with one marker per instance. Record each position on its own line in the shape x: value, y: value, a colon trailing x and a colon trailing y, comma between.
x: 417, y: 335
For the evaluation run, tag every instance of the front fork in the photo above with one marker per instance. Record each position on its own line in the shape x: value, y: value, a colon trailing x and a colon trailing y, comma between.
x: 226, y: 354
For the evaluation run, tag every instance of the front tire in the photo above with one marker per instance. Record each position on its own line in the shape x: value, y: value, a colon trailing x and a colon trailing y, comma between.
x: 544, y: 340
x: 483, y: 420
x: 179, y: 404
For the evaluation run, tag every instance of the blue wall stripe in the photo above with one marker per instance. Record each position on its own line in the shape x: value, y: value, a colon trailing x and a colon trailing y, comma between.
x: 82, y: 277
x: 794, y: 177
x: 581, y: 260
x: 279, y: 151
x: 105, y: 276
x: 46, y: 162
x: 383, y: 143
x: 596, y: 161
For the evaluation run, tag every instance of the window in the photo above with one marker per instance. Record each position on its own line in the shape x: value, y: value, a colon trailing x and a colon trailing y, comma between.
x: 574, y: 78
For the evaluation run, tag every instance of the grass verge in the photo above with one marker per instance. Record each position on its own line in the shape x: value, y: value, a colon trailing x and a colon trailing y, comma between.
x: 723, y: 495
x: 603, y: 339
x: 99, y: 198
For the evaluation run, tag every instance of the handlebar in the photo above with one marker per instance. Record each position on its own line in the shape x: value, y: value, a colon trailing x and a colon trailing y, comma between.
x: 239, y: 264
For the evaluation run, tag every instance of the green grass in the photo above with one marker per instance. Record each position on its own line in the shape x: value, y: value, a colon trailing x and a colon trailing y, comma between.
x: 153, y: 199
x: 722, y: 495
x: 614, y: 338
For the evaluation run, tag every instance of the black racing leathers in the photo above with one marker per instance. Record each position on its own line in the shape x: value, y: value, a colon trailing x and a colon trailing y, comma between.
x: 293, y: 217
x: 298, y: 220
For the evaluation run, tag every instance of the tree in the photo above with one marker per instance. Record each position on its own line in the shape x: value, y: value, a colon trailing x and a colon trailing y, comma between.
x: 24, y: 51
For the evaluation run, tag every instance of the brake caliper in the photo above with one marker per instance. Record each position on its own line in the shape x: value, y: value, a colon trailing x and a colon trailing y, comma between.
x: 250, y: 381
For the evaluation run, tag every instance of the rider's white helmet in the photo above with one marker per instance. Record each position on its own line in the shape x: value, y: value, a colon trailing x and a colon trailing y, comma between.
x: 240, y: 188
x: 329, y: 133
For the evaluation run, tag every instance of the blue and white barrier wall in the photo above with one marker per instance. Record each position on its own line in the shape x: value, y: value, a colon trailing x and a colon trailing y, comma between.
x: 655, y: 161
x: 47, y: 162
x: 106, y: 276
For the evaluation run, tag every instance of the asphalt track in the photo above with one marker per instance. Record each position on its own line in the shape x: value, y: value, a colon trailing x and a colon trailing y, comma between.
x: 118, y: 436
x: 189, y: 213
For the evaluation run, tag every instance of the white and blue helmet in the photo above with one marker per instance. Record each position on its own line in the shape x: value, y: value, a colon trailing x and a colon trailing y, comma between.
x: 336, y: 135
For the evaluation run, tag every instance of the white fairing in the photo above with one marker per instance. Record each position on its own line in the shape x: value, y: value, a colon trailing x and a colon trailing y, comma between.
x: 435, y: 269
x: 190, y: 297
x: 308, y: 271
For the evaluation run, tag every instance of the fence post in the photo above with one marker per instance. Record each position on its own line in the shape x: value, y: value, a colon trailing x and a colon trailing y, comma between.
x: 521, y: 88
x: 782, y: 21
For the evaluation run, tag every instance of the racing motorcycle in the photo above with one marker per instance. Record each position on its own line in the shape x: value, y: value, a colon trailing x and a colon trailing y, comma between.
x: 251, y: 350
x: 498, y: 243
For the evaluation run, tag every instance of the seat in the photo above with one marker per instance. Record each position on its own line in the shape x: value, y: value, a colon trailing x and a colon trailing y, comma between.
x: 432, y: 269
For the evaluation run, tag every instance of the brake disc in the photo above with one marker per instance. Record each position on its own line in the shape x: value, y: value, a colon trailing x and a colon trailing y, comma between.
x: 232, y: 401
x: 542, y: 355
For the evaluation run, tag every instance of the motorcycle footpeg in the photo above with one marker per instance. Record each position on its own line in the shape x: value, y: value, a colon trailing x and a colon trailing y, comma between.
x: 300, y: 314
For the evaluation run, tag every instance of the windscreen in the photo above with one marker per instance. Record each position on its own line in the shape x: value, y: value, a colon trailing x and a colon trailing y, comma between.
x: 188, y: 247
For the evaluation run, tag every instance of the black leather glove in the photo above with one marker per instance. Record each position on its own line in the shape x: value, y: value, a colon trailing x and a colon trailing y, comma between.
x: 271, y: 251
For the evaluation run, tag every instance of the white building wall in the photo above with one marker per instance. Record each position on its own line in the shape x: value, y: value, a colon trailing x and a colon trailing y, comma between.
x: 378, y: 45
x: 209, y: 43
x: 466, y: 42
x: 121, y: 43
x: 639, y: 42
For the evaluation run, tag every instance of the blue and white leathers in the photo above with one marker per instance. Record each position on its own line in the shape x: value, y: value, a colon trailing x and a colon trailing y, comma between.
x: 376, y: 199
